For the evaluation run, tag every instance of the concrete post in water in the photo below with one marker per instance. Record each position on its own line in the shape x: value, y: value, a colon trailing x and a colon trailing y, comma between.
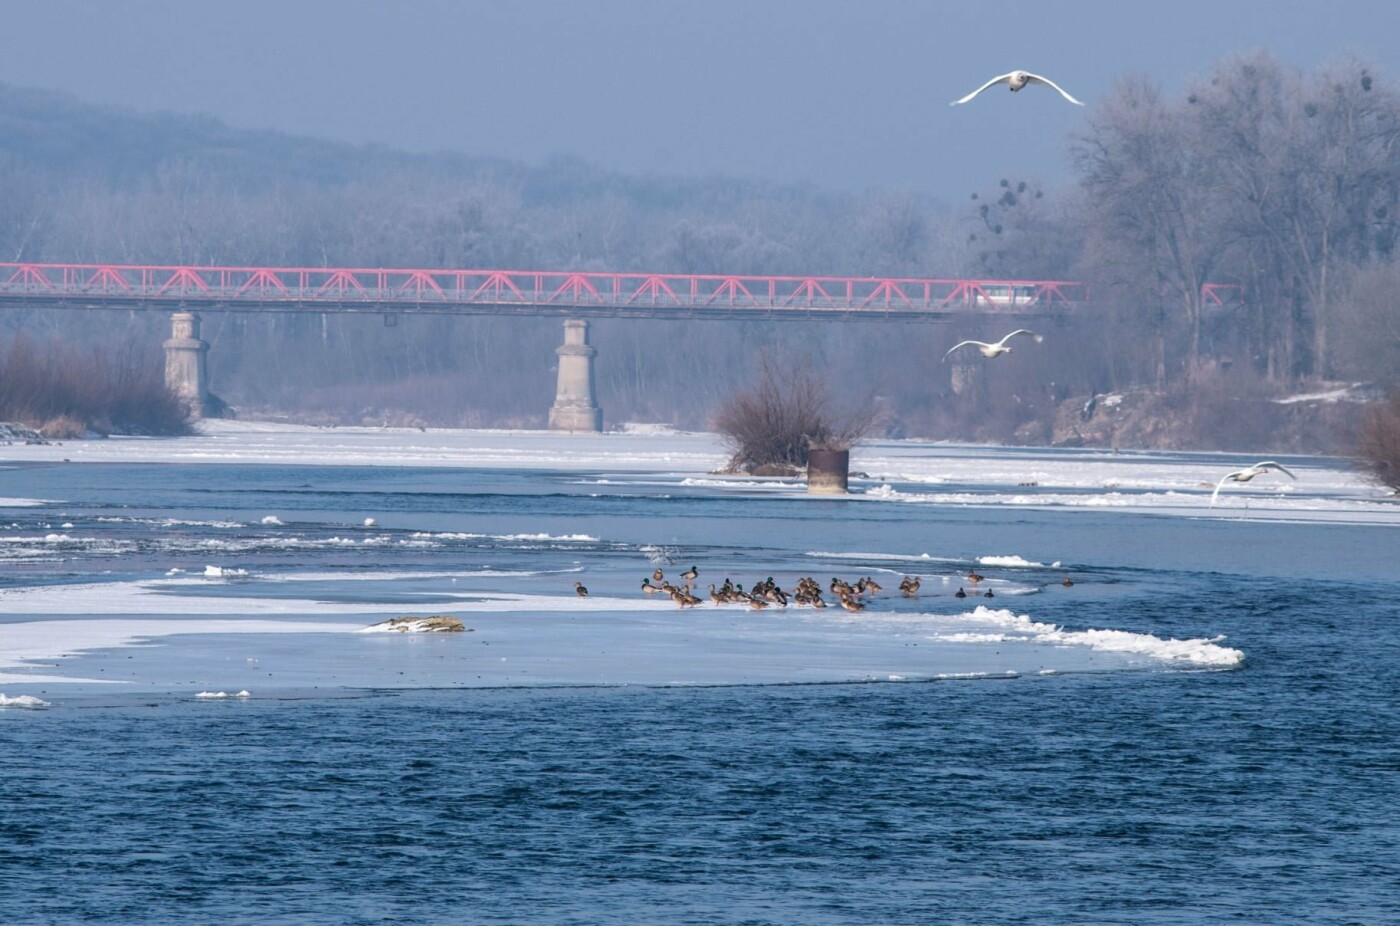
x: 575, y: 406
x: 186, y: 372
x: 828, y: 471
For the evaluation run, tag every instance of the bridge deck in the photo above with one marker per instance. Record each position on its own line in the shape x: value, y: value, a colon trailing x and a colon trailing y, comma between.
x: 510, y: 292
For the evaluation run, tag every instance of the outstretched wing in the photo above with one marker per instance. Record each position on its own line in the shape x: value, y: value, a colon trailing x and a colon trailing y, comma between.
x: 1221, y: 484
x: 1038, y: 338
x: 963, y: 344
x: 1270, y: 464
x: 1046, y: 80
x: 995, y: 80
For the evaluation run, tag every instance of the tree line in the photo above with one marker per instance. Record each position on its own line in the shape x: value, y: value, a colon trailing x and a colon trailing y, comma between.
x: 1280, y: 186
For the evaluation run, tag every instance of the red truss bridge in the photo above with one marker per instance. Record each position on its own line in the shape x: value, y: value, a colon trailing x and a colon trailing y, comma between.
x: 522, y: 292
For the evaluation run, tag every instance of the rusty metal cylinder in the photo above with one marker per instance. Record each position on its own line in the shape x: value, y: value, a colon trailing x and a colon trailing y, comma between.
x: 828, y: 471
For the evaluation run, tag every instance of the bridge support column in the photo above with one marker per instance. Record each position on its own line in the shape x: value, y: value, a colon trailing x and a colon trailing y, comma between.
x: 965, y: 376
x: 575, y: 405
x: 186, y: 372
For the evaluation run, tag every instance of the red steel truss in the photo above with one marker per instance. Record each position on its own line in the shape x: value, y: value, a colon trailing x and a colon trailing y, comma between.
x: 520, y: 292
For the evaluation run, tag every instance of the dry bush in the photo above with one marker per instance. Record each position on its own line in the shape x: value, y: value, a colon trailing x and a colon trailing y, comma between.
x: 784, y: 414
x: 65, y: 393
x: 1378, y: 449
x: 63, y: 427
x: 1225, y: 410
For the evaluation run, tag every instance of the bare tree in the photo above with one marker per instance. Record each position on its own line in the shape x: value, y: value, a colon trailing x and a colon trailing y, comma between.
x: 787, y: 412
x: 1310, y: 169
x: 1153, y: 194
x: 1018, y: 232
x: 1367, y: 325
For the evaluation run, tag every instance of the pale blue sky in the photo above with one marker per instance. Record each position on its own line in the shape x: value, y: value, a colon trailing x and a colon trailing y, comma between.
x: 848, y: 94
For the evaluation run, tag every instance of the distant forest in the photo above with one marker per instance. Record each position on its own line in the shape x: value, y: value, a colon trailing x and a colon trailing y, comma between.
x: 1282, y: 183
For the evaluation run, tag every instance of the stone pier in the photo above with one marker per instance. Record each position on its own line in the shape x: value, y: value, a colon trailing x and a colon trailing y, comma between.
x: 186, y: 371
x: 575, y: 405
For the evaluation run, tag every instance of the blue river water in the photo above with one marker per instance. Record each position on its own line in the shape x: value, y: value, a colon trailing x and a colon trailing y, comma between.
x: 1264, y: 793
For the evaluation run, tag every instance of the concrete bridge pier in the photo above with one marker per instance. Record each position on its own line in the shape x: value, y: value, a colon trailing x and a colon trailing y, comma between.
x: 965, y: 375
x: 575, y: 404
x: 186, y: 372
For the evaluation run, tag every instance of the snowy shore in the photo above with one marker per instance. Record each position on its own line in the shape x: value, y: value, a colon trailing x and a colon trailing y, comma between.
x: 1328, y: 488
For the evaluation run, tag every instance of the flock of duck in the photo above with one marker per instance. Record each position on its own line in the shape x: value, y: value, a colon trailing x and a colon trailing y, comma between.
x: 767, y: 593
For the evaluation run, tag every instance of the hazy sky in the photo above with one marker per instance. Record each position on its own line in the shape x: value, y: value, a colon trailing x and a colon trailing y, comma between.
x: 850, y: 94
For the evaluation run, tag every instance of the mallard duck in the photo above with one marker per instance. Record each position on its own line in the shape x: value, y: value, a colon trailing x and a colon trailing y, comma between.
x: 658, y: 575
x: 960, y: 594
x: 988, y: 594
x: 580, y: 590
x: 690, y: 574
x: 910, y: 586
x: 1066, y: 581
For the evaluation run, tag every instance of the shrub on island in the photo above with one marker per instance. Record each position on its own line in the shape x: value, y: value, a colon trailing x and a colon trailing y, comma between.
x: 773, y: 425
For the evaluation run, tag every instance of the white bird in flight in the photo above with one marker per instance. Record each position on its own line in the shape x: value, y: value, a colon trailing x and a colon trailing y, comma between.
x: 1016, y: 80
x: 1244, y: 475
x: 997, y: 349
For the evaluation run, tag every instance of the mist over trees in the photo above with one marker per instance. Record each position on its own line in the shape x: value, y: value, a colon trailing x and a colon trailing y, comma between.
x: 1282, y: 183
x: 1280, y: 187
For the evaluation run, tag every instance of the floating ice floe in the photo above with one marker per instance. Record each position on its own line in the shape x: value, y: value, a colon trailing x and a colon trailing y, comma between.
x: 1003, y: 626
x: 271, y: 520
x: 22, y: 701
x: 1012, y: 560
x: 214, y: 695
x: 223, y: 572
x: 370, y: 522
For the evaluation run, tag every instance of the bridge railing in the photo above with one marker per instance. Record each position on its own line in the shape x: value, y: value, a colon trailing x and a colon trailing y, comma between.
x: 317, y: 288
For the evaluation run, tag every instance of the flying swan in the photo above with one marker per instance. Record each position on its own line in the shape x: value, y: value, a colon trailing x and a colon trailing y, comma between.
x: 1244, y: 475
x: 997, y: 349
x: 1016, y: 80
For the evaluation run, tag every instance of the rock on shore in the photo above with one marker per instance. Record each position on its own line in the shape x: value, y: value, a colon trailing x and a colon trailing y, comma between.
x: 438, y: 623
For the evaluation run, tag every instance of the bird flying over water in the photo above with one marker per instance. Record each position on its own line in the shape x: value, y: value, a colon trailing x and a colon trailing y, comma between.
x: 1248, y: 473
x: 1016, y: 80
x: 997, y: 349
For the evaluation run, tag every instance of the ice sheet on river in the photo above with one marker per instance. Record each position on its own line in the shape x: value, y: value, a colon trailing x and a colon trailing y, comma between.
x: 296, y: 641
